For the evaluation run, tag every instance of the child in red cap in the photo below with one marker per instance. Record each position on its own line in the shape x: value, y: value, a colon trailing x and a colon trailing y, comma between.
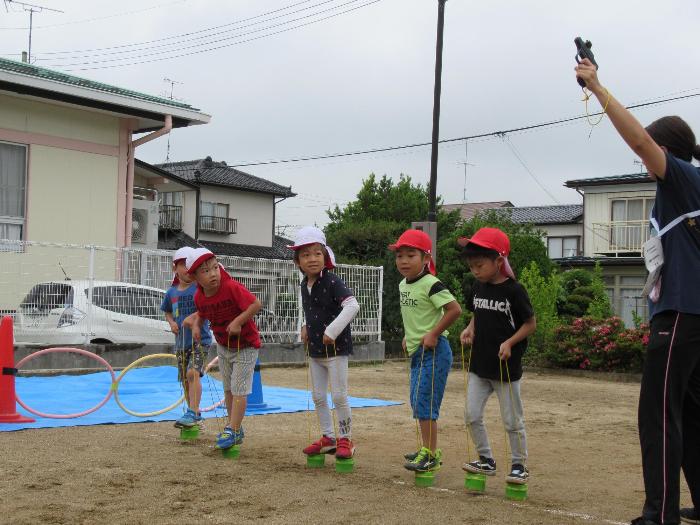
x: 503, y: 319
x: 428, y: 309
x: 230, y: 308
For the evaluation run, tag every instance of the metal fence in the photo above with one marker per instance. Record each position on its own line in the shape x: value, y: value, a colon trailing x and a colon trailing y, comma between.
x: 71, y: 294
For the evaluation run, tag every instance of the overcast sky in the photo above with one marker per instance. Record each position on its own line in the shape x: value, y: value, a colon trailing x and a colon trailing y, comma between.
x: 364, y: 79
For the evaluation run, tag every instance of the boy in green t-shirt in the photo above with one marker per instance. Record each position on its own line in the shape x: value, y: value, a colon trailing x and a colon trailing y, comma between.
x: 428, y: 309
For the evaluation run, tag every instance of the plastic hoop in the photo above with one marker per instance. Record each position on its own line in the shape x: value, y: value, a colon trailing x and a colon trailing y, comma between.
x: 115, y: 388
x: 74, y: 351
x: 221, y: 401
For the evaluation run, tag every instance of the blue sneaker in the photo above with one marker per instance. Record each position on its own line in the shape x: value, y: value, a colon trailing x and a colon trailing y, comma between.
x: 229, y: 438
x: 188, y: 420
x: 199, y: 421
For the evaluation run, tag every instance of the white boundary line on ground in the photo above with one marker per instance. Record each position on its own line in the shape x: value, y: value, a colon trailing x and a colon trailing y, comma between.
x: 557, y: 512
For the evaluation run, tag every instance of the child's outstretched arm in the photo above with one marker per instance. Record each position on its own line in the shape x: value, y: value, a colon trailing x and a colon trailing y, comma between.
x: 174, y: 328
x: 194, y: 323
x: 526, y: 330
x: 452, y: 311
x: 467, y: 335
x: 234, y: 327
x: 345, y: 317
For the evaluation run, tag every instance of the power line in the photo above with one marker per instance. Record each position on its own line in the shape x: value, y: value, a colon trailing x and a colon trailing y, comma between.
x: 457, y: 139
x: 180, y: 38
x: 215, y: 48
x: 506, y: 140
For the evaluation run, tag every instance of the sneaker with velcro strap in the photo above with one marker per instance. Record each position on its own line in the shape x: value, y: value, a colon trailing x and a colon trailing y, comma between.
x: 229, y: 437
x: 188, y: 419
x: 325, y: 445
x: 518, y: 474
x: 690, y: 515
x: 483, y: 465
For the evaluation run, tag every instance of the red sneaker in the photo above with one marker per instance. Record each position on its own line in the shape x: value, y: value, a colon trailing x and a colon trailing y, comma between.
x: 325, y: 445
x: 345, y: 449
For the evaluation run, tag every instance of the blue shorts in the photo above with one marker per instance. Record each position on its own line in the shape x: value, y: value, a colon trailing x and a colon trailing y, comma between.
x: 429, y: 369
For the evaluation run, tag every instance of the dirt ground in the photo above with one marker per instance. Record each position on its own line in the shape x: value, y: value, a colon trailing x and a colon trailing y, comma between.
x: 584, y: 463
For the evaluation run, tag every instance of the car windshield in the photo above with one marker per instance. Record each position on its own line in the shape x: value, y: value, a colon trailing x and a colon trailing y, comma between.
x: 47, y: 296
x: 129, y: 300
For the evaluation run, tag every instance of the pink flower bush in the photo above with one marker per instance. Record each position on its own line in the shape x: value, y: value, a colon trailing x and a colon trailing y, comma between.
x: 594, y: 344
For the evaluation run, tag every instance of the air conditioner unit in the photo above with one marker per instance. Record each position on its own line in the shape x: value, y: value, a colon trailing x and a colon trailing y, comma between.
x: 144, y: 224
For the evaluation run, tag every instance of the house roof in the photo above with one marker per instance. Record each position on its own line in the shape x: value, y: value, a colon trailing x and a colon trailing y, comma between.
x: 469, y: 209
x: 209, y: 172
x: 278, y: 250
x: 578, y: 261
x: 38, y: 82
x: 559, y: 214
x: 163, y: 173
x: 630, y: 178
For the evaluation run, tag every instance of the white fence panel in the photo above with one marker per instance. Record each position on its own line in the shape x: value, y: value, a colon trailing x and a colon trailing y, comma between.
x: 70, y: 294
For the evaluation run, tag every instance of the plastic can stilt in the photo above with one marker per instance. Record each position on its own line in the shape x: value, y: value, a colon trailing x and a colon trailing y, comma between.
x: 315, y: 460
x: 475, y: 482
x: 425, y: 479
x: 232, y: 452
x: 188, y: 434
x: 344, y: 465
x: 516, y: 491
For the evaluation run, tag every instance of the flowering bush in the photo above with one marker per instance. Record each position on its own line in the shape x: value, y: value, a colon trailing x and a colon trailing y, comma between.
x: 599, y: 344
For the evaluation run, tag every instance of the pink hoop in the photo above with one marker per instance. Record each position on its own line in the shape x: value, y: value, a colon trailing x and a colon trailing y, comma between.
x: 221, y: 401
x: 67, y: 350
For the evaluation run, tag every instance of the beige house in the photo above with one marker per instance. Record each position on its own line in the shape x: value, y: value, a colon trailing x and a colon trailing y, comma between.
x: 67, y: 151
x: 616, y: 214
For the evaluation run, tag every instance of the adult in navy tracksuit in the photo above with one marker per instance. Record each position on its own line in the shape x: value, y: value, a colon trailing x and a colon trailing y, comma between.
x: 669, y: 402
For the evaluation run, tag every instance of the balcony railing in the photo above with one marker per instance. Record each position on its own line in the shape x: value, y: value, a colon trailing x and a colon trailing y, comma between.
x: 207, y: 223
x: 620, y: 238
x: 170, y: 217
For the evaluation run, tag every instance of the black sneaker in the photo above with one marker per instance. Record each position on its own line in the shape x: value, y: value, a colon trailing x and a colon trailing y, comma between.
x: 690, y: 515
x: 411, y: 455
x: 518, y: 474
x: 425, y: 461
x: 483, y: 465
x: 641, y: 520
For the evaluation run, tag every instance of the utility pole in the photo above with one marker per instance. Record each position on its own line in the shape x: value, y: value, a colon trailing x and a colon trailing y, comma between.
x: 430, y: 226
x: 432, y: 212
x: 32, y: 8
x: 172, y: 87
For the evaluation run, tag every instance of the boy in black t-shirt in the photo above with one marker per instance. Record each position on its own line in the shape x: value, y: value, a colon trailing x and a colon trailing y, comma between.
x: 503, y: 319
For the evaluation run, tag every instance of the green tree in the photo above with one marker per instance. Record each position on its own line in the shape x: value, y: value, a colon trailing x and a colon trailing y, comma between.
x: 583, y: 293
x: 543, y: 292
x: 361, y: 231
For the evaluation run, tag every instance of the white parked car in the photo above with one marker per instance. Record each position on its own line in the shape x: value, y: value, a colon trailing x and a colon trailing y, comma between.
x: 60, y: 312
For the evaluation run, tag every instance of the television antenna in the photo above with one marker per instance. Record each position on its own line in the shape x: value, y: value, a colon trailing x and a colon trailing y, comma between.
x: 31, y: 8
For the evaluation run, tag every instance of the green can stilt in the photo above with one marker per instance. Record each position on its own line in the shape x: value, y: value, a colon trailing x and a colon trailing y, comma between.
x: 232, y: 452
x: 516, y: 491
x: 344, y: 466
x: 187, y: 434
x: 315, y: 460
x: 425, y: 479
x: 475, y: 482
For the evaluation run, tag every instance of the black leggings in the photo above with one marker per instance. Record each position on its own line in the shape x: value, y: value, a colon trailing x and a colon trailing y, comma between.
x: 669, y: 414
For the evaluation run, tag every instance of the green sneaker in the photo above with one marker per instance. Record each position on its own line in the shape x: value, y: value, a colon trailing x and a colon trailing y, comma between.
x: 425, y: 461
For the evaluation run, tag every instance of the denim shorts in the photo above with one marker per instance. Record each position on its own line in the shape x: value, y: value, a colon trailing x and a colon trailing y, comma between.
x: 429, y: 369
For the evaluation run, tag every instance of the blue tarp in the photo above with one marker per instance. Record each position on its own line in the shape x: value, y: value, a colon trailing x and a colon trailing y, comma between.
x: 142, y: 390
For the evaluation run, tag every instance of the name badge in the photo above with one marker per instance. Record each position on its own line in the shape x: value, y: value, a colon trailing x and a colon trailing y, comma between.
x: 653, y: 254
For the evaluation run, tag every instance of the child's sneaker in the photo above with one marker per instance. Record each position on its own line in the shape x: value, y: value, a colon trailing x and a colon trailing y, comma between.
x: 425, y: 461
x: 199, y: 421
x: 188, y: 420
x: 690, y: 515
x: 229, y: 438
x: 483, y: 465
x: 345, y: 449
x: 325, y: 445
x: 518, y: 474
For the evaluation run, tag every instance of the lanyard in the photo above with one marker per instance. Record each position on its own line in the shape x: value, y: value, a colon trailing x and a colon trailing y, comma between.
x: 674, y: 222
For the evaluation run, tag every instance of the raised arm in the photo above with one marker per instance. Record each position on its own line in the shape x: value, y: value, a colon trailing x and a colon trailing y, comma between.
x: 629, y: 128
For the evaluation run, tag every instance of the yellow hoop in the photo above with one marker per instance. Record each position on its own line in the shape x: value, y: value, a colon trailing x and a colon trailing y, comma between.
x: 115, y: 387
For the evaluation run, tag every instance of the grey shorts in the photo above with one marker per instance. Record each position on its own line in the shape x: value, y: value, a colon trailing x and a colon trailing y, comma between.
x: 237, y: 368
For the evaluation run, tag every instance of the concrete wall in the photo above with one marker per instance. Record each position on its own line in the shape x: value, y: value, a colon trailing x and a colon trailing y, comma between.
x: 120, y: 356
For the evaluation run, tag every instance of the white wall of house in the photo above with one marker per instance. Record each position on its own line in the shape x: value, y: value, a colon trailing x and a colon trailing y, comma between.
x: 253, y: 211
x: 597, y: 210
x: 559, y: 237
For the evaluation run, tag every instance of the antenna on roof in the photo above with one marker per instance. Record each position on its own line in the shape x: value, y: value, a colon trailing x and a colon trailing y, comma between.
x: 31, y: 8
x: 172, y: 87
x: 465, y: 164
x: 641, y: 165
